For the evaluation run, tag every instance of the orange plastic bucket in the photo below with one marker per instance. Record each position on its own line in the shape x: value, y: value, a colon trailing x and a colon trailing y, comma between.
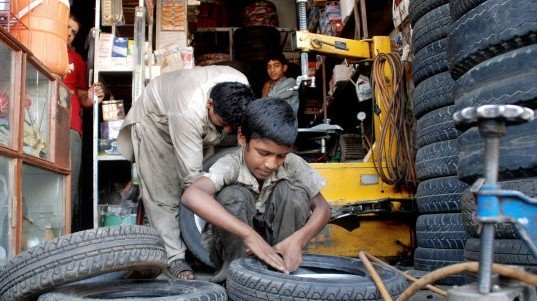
x: 46, y: 30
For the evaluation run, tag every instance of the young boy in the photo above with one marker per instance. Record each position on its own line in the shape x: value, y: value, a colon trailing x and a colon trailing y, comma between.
x: 268, y: 201
x: 278, y: 84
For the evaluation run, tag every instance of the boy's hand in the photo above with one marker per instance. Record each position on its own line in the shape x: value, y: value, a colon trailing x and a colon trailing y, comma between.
x: 291, y: 250
x: 260, y: 248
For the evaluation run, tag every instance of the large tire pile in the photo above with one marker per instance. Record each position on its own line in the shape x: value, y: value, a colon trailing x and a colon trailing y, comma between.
x: 491, y: 52
x: 470, y: 53
x: 439, y: 229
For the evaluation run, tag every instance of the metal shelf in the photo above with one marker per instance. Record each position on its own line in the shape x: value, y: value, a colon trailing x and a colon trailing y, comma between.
x: 111, y: 158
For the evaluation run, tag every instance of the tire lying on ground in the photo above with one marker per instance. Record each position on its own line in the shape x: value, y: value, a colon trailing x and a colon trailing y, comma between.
x: 82, y: 255
x: 151, y: 290
x: 319, y: 278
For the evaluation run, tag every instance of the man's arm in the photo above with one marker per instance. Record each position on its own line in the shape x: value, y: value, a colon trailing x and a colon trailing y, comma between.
x: 198, y: 197
x: 86, y: 96
x: 291, y: 247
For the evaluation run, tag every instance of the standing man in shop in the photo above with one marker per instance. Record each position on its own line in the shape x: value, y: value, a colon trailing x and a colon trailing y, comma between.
x: 169, y: 131
x: 76, y: 81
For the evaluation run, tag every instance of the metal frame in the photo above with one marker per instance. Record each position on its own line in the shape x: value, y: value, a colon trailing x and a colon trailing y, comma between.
x: 138, y: 74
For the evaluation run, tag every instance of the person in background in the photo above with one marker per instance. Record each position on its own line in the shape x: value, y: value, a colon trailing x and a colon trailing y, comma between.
x: 81, y: 97
x: 261, y: 198
x: 169, y: 131
x: 278, y: 84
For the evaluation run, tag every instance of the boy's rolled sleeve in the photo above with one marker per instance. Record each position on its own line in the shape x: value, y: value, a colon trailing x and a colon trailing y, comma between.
x: 307, y: 176
x: 223, y: 172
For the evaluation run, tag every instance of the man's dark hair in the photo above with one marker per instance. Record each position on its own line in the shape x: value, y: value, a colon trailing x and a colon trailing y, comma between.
x: 270, y: 118
x: 75, y: 18
x: 277, y: 56
x: 230, y: 100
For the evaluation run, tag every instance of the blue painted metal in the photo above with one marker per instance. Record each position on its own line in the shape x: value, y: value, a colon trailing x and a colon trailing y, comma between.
x: 510, y: 206
x: 488, y: 206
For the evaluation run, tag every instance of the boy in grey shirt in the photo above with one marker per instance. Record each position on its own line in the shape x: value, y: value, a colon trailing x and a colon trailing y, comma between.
x: 268, y: 200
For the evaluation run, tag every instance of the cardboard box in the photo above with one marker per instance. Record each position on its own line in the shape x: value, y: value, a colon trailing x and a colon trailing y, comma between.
x: 113, y: 110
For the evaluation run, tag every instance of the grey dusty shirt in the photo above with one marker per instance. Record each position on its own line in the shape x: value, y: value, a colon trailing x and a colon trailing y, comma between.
x: 231, y: 169
x: 284, y: 90
x: 176, y: 103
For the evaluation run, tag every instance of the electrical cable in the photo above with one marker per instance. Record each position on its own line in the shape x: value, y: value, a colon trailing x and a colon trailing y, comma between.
x: 393, y: 157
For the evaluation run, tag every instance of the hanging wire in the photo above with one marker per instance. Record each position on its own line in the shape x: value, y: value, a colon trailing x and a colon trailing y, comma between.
x: 395, y: 146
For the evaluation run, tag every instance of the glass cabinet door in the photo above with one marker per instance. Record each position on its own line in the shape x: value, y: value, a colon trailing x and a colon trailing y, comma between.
x: 7, y: 94
x: 6, y: 193
x: 36, y: 139
x: 43, y: 206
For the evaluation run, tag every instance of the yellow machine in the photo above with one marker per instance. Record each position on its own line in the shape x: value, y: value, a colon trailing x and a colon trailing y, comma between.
x: 369, y: 211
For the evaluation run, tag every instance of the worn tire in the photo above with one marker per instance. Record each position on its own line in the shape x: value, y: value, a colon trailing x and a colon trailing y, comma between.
x: 429, y: 61
x: 436, y: 126
x: 506, y: 251
x: 433, y: 259
x: 433, y: 26
x: 129, y: 290
x: 82, y: 255
x: 440, y: 195
x: 418, y: 8
x: 460, y: 7
x: 192, y: 225
x: 490, y: 29
x: 437, y: 160
x: 518, y: 158
x: 441, y: 231
x: 250, y: 280
x: 433, y: 93
x: 508, y: 78
x: 503, y: 230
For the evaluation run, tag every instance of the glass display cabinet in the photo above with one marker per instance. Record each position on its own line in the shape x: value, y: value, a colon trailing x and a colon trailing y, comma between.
x: 34, y: 151
x: 36, y: 107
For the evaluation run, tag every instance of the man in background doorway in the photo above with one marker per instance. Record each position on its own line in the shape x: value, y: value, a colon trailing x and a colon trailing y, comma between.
x: 76, y: 81
x: 279, y: 85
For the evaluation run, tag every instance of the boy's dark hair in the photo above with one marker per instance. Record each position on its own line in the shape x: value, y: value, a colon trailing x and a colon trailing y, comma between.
x: 277, y: 56
x: 270, y: 118
x: 230, y: 100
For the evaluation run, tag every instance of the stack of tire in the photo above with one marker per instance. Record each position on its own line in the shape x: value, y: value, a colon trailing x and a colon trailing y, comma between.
x: 492, y: 56
x: 93, y: 263
x: 439, y: 228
